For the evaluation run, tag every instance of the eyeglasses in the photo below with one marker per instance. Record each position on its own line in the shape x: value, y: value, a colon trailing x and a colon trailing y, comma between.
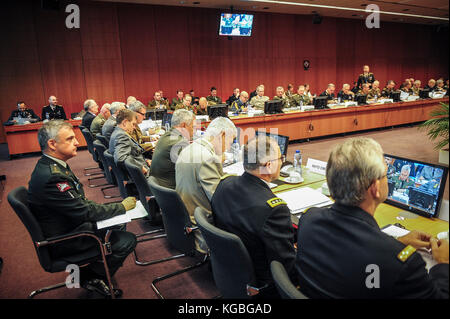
x: 143, y: 114
x: 282, y: 158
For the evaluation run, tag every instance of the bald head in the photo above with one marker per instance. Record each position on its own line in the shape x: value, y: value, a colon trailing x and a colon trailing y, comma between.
x: 243, y: 96
x: 52, y: 100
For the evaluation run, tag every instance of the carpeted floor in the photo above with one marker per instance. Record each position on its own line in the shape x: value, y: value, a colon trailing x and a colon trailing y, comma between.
x: 22, y: 273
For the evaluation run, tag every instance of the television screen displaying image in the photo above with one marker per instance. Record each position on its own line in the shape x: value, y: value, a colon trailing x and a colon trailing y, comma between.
x: 236, y: 24
x: 415, y: 186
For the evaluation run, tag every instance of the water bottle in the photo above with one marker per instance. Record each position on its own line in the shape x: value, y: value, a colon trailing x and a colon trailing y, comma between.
x: 298, y: 162
x: 376, y: 97
x: 235, y: 150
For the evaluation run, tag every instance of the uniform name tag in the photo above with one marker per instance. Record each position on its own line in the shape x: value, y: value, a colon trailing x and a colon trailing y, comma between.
x: 63, y: 187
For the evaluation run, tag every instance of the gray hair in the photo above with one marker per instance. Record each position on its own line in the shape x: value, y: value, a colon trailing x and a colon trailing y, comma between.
x: 182, y: 116
x: 439, y: 81
x: 331, y: 85
x: 50, y: 131
x: 220, y: 125
x: 352, y: 167
x: 116, y: 107
x: 258, y: 151
x: 87, y: 104
x: 407, y: 168
x: 260, y: 88
x: 136, y: 106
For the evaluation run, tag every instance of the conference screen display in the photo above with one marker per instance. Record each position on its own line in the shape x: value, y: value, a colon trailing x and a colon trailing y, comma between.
x: 415, y: 186
x: 236, y: 24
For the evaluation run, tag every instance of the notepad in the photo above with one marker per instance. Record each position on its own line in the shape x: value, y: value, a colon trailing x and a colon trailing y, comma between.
x: 138, y: 212
x: 300, y: 199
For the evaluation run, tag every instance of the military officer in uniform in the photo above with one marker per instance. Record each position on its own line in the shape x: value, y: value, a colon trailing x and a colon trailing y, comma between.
x: 406, y: 87
x: 91, y: 109
x: 57, y: 200
x: 403, y: 181
x: 53, y: 111
x: 213, y: 99
x: 416, y: 87
x: 365, y: 89
x: 202, y: 107
x: 177, y: 100
x: 259, y: 100
x: 300, y: 98
x: 342, y: 253
x: 329, y: 92
x: 431, y: 85
x: 374, y: 91
x: 241, y: 104
x: 245, y: 206
x: 186, y: 104
x: 233, y: 97
x: 145, y: 141
x: 365, y: 77
x: 100, y: 119
x: 22, y: 112
x: 346, y: 94
x: 158, y: 102
x: 389, y: 89
x: 282, y: 96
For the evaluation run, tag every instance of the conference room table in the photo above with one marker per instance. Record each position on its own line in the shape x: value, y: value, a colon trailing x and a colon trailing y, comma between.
x: 22, y: 138
x: 385, y: 214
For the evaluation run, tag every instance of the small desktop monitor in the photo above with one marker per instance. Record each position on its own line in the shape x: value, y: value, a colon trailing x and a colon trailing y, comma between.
x: 395, y: 96
x: 283, y: 141
x: 218, y: 110
x: 320, y: 102
x: 273, y: 107
x: 415, y: 186
x: 361, y: 99
x: 424, y: 93
x: 155, y: 115
x: 236, y: 24
x: 167, y: 120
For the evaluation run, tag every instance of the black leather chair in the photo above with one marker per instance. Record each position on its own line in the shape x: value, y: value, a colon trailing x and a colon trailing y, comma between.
x: 118, y: 174
x: 90, y: 145
x: 17, y: 198
x: 100, y: 150
x: 150, y: 205
x: 178, y: 227
x: 232, y: 266
x: 102, y: 139
x: 283, y: 283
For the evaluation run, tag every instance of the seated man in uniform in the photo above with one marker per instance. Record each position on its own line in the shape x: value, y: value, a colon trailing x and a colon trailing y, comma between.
x: 374, y: 91
x: 53, y: 111
x: 406, y: 87
x: 91, y: 109
x: 282, y: 96
x: 57, y: 200
x: 122, y: 146
x: 187, y: 100
x: 245, y: 206
x: 346, y: 94
x: 110, y: 123
x: 241, y: 104
x: 202, y: 107
x: 145, y: 141
x: 339, y: 247
x: 431, y: 85
x: 195, y: 99
x: 130, y: 100
x: 199, y: 168
x: 390, y: 88
x: 170, y: 145
x: 440, y: 85
x: 403, y: 181
x: 300, y: 98
x: 23, y: 113
x: 100, y: 119
x: 329, y: 93
x: 365, y: 89
x: 177, y: 100
x: 233, y: 97
x: 158, y: 102
x: 213, y: 99
x: 416, y: 88
x: 258, y: 101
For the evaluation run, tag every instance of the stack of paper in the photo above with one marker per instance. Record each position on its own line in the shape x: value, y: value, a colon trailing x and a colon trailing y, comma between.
x: 234, y: 169
x: 300, y: 199
x: 135, y: 213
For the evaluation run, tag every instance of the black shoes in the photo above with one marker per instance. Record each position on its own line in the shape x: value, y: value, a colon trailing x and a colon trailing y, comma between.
x: 100, y: 287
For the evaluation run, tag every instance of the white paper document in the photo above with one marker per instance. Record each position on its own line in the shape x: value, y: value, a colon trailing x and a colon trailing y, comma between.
x: 135, y: 213
x: 300, y: 199
x: 234, y: 169
x: 395, y: 231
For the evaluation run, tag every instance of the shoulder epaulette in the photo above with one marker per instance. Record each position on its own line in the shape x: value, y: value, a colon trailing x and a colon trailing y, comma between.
x: 55, y: 169
x: 406, y: 253
x: 276, y: 201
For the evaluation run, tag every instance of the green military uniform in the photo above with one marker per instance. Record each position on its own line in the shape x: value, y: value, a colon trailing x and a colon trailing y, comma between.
x: 199, y: 111
x: 182, y: 106
x: 97, y: 124
x: 257, y: 102
x: 304, y: 99
x: 290, y: 98
x: 175, y: 102
x: 399, y: 184
x: 415, y: 90
x: 285, y: 101
x: 374, y: 92
x: 164, y: 104
x: 57, y: 200
x: 213, y: 100
x: 143, y: 140
x: 164, y: 158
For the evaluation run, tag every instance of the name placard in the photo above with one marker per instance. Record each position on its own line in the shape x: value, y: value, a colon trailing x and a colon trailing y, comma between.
x: 316, y: 166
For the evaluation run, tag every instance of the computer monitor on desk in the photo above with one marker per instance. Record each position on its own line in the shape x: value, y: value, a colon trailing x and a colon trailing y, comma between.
x: 218, y: 110
x: 361, y: 99
x: 283, y: 141
x: 395, y: 96
x: 273, y: 107
x: 320, y: 102
x: 424, y: 93
x: 156, y: 114
x: 415, y: 186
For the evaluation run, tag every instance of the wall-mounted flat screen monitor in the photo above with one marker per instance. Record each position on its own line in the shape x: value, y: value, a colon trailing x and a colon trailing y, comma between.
x: 236, y: 24
x: 415, y: 186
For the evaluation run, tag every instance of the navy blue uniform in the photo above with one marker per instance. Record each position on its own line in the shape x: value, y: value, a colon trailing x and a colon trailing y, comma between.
x: 53, y: 114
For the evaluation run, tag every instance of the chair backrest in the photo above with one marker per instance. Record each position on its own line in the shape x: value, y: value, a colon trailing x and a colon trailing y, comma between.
x: 100, y: 150
x: 140, y: 181
x: 102, y: 139
x: 90, y: 142
x: 174, y: 215
x: 231, y: 263
x: 283, y: 283
x: 18, y: 199
x: 117, y: 173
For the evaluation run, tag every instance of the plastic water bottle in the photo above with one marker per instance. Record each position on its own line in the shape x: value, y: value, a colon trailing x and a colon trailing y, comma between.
x: 298, y: 162
x: 236, y: 151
